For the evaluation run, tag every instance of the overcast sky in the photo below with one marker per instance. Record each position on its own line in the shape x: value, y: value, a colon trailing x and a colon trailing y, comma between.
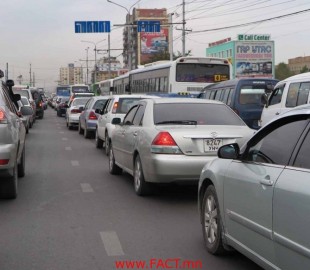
x: 42, y: 32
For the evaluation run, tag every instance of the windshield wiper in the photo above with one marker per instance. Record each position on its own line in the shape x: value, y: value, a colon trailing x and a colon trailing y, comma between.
x: 180, y: 122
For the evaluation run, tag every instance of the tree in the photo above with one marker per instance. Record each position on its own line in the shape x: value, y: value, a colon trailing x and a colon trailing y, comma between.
x: 304, y: 69
x: 282, y: 71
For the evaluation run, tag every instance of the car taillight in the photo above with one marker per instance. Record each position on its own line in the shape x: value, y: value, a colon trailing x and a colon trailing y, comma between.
x: 115, y: 107
x: 165, y: 144
x: 75, y: 111
x: 4, y: 161
x: 92, y: 116
x: 40, y: 104
x: 3, y: 119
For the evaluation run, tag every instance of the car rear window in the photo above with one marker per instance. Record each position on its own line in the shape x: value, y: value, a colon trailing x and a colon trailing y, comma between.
x: 195, y: 113
x: 79, y: 102
x: 124, y: 104
x: 23, y: 93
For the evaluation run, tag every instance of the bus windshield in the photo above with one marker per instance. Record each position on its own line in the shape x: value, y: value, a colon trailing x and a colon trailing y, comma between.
x: 80, y: 89
x: 63, y: 91
x: 204, y: 73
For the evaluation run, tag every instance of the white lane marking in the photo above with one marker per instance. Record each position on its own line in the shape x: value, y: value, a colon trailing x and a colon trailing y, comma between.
x: 68, y: 148
x: 86, y: 187
x: 111, y: 243
x: 64, y: 139
x: 75, y: 163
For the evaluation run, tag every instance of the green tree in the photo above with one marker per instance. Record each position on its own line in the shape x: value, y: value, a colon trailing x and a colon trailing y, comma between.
x: 282, y: 71
x: 304, y: 69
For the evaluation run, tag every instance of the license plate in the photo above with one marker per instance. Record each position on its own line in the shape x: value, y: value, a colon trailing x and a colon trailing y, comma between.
x: 212, y: 145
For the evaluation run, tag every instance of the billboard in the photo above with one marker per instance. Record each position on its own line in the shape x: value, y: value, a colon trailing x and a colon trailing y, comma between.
x: 254, y: 59
x: 153, y: 43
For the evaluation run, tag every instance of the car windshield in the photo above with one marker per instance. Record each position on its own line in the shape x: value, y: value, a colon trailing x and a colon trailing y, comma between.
x: 79, y: 102
x: 195, y: 114
x: 124, y: 104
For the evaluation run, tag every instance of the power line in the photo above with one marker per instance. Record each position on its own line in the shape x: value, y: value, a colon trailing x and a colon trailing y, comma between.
x: 250, y: 23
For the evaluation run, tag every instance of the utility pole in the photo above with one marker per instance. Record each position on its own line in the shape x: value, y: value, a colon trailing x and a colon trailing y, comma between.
x: 87, y: 65
x: 30, y: 81
x: 34, y: 80
x: 109, y: 55
x: 7, y: 72
x: 183, y: 29
x: 171, y: 37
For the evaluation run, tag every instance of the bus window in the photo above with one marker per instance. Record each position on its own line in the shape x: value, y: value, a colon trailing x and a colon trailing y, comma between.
x: 212, y: 95
x: 229, y: 99
x: 218, y: 94
x: 225, y: 95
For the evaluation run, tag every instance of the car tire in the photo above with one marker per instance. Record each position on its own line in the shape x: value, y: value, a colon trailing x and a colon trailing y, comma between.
x: 21, y: 165
x: 80, y: 129
x: 86, y: 133
x: 107, y: 144
x: 211, y: 222
x: 142, y: 188
x: 27, y: 129
x: 113, y: 168
x: 99, y: 142
x: 9, y: 186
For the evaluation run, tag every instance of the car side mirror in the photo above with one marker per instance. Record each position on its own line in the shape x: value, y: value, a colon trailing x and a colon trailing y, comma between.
x: 26, y: 110
x: 229, y: 151
x: 116, y: 121
x: 1, y: 74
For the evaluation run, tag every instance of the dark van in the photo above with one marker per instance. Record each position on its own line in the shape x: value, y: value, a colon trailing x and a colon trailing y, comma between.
x: 243, y: 95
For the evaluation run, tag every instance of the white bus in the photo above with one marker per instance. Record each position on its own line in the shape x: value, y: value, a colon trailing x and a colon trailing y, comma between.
x: 184, y: 75
x: 105, y: 87
x: 120, y: 84
x: 79, y: 88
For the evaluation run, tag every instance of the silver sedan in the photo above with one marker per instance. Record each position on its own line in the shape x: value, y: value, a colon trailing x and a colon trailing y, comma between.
x: 170, y: 139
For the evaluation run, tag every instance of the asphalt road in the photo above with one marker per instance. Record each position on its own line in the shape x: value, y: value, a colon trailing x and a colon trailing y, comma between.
x: 71, y: 214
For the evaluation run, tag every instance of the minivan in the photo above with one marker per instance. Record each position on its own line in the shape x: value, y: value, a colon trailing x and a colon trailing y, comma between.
x: 287, y: 94
x: 243, y: 95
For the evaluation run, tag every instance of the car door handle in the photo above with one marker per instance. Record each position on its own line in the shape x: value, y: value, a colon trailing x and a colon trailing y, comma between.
x: 277, y: 113
x: 266, y: 181
x: 135, y: 134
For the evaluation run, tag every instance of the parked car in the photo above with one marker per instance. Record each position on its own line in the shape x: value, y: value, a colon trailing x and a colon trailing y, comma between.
x: 89, y: 116
x: 25, y: 102
x: 12, y: 141
x: 257, y: 199
x: 38, y: 101
x: 74, y: 109
x: 170, y: 139
x: 61, y: 105
x: 116, y: 106
x: 26, y: 116
x: 243, y: 95
x: 287, y: 94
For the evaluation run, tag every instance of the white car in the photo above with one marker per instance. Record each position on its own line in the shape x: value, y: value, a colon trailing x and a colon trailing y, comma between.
x: 74, y: 110
x: 116, y: 106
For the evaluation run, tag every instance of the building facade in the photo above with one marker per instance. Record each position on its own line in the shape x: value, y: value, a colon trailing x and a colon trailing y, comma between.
x: 139, y: 47
x: 250, y: 55
x: 70, y: 75
x: 297, y: 64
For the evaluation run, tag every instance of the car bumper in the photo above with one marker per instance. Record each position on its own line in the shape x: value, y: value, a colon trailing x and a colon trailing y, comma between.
x: 7, y: 151
x: 74, y: 119
x: 91, y: 124
x: 161, y: 168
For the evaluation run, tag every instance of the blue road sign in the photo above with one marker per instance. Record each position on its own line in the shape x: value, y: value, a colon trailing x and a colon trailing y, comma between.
x: 92, y: 27
x: 148, y: 26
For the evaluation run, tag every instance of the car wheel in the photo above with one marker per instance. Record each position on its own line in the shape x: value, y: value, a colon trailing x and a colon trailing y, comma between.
x: 9, y: 186
x: 141, y: 187
x: 107, y: 144
x: 113, y: 168
x: 27, y: 129
x: 80, y: 129
x: 21, y: 165
x: 211, y: 222
x: 86, y: 132
x: 99, y: 142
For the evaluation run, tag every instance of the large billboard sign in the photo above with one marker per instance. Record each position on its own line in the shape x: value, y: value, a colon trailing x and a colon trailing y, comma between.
x: 153, y: 43
x: 254, y: 59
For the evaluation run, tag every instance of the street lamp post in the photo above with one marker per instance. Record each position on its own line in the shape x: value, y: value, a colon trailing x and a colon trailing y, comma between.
x: 87, y: 65
x: 129, y: 50
x: 95, y: 49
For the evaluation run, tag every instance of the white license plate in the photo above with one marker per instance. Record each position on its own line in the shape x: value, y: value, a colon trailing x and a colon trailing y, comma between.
x: 212, y: 145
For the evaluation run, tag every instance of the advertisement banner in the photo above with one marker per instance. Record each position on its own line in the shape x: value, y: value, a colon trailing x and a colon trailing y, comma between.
x: 153, y: 43
x: 254, y: 59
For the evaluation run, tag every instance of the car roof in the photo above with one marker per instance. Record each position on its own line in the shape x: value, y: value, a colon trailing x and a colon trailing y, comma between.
x: 305, y: 75
x: 185, y: 100
x: 133, y: 96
